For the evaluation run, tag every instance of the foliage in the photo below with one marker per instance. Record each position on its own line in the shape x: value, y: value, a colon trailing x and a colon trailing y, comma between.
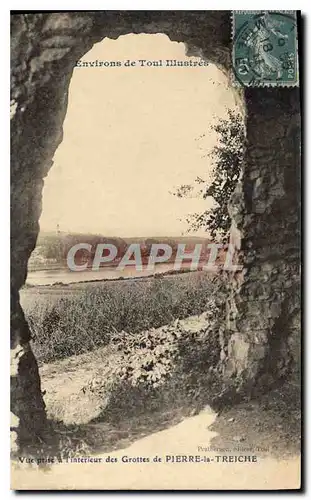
x: 227, y: 157
x: 172, y: 364
x: 148, y: 357
x: 84, y: 320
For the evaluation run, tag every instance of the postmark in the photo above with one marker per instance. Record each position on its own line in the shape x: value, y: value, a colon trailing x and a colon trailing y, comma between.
x: 265, y: 48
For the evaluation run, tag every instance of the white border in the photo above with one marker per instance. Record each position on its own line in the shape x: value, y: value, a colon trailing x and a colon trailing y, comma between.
x: 305, y: 6
x: 156, y: 5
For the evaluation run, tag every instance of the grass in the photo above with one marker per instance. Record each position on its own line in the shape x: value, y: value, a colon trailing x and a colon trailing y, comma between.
x: 80, y: 322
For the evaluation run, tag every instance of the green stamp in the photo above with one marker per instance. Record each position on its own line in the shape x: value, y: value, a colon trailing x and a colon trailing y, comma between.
x: 265, y: 48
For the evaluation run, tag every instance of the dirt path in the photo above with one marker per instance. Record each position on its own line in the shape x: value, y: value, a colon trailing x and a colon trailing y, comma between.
x: 267, y: 428
x: 187, y: 439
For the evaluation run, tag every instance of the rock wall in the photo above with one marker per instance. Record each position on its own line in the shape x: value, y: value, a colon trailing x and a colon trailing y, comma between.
x: 263, y: 315
x: 261, y: 331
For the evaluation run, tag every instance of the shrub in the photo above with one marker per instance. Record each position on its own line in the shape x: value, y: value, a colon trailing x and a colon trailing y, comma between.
x: 175, y: 363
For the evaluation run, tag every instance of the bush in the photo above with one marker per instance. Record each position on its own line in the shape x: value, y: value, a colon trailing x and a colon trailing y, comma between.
x: 173, y: 364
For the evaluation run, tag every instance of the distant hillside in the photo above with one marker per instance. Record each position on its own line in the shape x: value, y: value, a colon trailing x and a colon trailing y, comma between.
x: 52, y: 248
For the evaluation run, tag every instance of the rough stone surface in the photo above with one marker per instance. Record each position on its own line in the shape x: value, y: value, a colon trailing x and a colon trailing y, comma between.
x: 261, y: 327
x: 266, y: 225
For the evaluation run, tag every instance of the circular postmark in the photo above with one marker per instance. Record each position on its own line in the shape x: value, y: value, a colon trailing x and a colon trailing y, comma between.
x: 265, y: 49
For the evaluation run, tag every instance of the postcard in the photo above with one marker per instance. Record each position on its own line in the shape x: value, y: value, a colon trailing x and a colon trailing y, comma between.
x: 155, y: 250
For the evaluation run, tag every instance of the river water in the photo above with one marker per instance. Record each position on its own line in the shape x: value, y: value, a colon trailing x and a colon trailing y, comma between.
x: 49, y: 277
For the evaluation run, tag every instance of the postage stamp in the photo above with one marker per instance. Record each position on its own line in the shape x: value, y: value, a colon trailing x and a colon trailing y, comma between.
x: 265, y: 48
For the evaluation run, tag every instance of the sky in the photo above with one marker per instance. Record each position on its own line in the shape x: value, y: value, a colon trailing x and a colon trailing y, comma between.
x: 131, y: 137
